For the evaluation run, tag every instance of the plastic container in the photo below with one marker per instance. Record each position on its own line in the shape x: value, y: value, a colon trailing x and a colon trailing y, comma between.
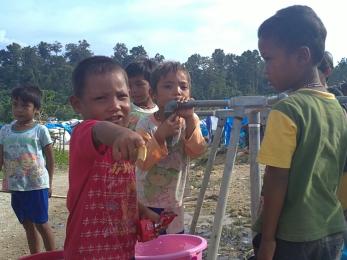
x: 172, y: 247
x: 168, y: 247
x: 51, y: 255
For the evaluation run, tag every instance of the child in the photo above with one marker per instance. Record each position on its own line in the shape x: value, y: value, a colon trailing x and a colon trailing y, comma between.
x: 170, y: 143
x: 304, y: 146
x: 139, y: 73
x: 24, y: 145
x: 325, y: 68
x: 102, y: 192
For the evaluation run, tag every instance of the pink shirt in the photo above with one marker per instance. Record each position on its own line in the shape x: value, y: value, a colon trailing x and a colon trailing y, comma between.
x: 101, y: 201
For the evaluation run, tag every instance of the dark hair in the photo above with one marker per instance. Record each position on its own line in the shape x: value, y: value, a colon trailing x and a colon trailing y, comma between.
x: 143, y: 67
x: 93, y: 66
x: 294, y: 27
x: 28, y: 94
x: 327, y: 62
x: 165, y: 68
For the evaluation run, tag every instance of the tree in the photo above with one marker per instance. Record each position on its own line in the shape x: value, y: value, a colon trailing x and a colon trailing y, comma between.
x: 221, y: 75
x: 44, y: 50
x: 137, y: 52
x: 56, y: 47
x: 159, y: 58
x: 120, y: 53
x: 339, y: 73
x: 31, y: 62
x: 218, y: 58
x: 197, y: 65
x: 77, y: 52
x: 11, y: 62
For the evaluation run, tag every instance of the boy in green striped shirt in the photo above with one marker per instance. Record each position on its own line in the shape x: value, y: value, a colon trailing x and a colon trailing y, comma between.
x: 304, y: 147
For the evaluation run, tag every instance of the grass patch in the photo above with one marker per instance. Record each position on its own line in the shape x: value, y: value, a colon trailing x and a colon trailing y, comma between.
x: 1, y: 174
x: 61, y: 159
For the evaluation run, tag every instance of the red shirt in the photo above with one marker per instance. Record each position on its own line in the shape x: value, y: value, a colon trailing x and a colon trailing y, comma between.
x: 101, y: 201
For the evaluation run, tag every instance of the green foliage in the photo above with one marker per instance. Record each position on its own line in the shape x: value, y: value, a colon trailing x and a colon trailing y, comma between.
x: 339, y: 73
x: 47, y: 65
x: 61, y: 159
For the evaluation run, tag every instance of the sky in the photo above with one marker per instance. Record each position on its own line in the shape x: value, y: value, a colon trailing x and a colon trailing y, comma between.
x: 174, y: 28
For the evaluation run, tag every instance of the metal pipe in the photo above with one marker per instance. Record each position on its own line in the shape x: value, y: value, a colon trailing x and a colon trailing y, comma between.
x: 234, y: 102
x: 224, y: 190
x: 207, y: 173
x: 254, y: 145
x: 205, y: 113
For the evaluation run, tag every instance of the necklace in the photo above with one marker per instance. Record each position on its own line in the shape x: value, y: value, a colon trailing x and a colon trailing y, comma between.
x: 314, y: 85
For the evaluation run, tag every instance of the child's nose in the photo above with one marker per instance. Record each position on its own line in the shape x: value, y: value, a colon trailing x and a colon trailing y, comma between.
x: 177, y: 91
x: 115, y: 104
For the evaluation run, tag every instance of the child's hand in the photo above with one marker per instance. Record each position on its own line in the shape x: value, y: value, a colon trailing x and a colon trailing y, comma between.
x: 170, y: 127
x: 266, y: 250
x: 148, y: 213
x: 49, y: 192
x: 151, y: 215
x: 126, y: 145
x: 185, y: 112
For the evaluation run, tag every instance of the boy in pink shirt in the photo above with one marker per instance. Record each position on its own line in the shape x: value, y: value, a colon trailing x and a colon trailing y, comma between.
x: 102, y: 199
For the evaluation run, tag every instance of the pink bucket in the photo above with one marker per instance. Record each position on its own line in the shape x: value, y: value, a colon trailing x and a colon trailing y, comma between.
x: 172, y: 247
x: 51, y: 255
x: 168, y: 247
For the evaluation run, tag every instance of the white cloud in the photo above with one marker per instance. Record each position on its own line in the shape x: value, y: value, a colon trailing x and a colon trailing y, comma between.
x: 176, y: 29
x: 5, y: 41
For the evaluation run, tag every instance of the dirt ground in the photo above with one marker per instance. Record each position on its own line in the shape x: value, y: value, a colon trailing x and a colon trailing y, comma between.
x: 236, y: 235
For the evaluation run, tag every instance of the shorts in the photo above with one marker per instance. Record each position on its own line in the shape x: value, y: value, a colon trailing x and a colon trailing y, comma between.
x: 177, y: 225
x: 31, y: 205
x: 329, y: 247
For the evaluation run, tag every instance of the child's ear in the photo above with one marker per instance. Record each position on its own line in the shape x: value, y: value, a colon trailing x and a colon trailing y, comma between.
x: 328, y: 72
x: 75, y: 103
x: 304, y: 55
x: 37, y: 114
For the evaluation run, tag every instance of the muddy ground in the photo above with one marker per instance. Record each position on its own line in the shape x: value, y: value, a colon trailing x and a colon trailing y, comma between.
x: 236, y: 235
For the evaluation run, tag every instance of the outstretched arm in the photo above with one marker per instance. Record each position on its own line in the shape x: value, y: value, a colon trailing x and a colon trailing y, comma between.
x: 124, y: 142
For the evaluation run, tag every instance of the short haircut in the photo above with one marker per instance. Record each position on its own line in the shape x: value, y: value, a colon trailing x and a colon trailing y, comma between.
x: 294, y: 27
x: 28, y: 94
x: 143, y: 67
x: 327, y: 62
x: 95, y: 65
x: 165, y: 68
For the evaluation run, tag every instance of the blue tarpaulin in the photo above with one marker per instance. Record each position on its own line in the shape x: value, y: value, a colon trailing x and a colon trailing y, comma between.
x: 59, y: 125
x: 206, y: 130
